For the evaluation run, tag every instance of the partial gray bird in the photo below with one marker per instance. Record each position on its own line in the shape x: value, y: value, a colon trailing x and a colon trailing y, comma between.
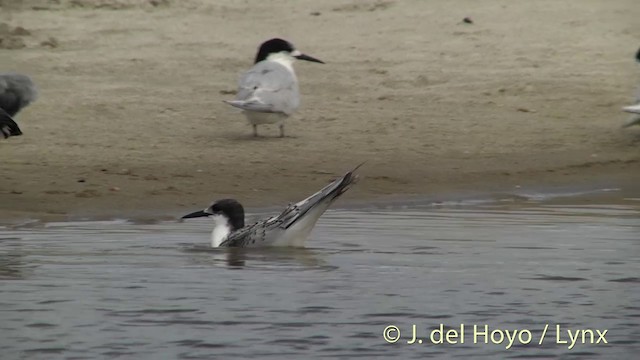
x: 16, y: 92
x: 268, y: 92
x: 290, y: 228
x: 634, y: 109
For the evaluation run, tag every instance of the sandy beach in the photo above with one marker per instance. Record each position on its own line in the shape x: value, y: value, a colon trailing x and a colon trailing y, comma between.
x: 130, y: 118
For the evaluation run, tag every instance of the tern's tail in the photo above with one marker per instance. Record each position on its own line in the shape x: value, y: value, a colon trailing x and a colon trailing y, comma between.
x: 8, y: 127
x: 250, y: 105
x: 635, y: 118
x: 634, y: 109
x: 306, y: 213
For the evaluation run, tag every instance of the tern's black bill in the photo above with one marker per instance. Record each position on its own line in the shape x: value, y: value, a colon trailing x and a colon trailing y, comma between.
x: 309, y: 58
x: 196, y: 214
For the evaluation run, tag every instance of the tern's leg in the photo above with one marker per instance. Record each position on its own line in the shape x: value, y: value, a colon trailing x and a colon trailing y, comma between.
x: 281, y: 126
x: 255, y: 130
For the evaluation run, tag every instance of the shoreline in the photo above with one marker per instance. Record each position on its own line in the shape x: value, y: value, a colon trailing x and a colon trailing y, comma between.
x: 563, y: 190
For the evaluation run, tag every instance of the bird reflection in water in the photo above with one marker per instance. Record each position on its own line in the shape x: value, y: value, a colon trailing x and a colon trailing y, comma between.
x: 238, y: 258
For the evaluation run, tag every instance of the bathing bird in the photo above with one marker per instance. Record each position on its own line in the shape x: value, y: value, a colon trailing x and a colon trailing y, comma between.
x: 634, y: 109
x: 16, y: 92
x: 289, y: 228
x: 268, y: 92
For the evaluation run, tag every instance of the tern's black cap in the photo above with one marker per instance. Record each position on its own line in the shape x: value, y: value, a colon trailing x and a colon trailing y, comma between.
x: 230, y: 208
x: 272, y: 46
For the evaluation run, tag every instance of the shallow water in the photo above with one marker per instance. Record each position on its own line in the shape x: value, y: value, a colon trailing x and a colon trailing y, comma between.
x: 156, y: 291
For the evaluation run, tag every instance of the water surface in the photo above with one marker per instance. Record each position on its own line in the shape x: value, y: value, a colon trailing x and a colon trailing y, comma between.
x: 90, y: 290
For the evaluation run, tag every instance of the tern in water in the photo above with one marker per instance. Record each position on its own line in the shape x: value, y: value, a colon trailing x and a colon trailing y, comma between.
x: 634, y: 109
x: 268, y: 92
x: 290, y: 228
x: 16, y: 92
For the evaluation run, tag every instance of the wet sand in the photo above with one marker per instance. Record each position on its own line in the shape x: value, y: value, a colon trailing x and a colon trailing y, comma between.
x: 130, y: 119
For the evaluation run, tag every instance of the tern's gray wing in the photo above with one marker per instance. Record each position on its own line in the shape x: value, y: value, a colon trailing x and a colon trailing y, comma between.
x: 268, y: 87
x: 324, y: 196
x: 16, y: 92
x: 252, y: 235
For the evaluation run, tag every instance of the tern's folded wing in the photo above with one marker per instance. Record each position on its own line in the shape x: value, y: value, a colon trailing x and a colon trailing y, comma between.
x: 252, y: 235
x: 272, y: 86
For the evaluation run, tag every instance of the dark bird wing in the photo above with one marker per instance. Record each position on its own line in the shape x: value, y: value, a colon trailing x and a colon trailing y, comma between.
x: 8, y: 126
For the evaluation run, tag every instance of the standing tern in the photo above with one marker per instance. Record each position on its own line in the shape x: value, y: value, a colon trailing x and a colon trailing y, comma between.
x: 268, y: 92
x: 290, y: 228
x: 634, y: 109
x: 16, y: 92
